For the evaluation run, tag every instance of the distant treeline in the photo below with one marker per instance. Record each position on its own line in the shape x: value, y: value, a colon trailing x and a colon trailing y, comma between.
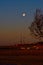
x: 19, y: 46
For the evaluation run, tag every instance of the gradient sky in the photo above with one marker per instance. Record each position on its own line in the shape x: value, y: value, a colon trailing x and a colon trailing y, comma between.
x: 13, y: 25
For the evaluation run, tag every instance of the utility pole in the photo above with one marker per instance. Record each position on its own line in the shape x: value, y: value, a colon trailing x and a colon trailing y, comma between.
x: 20, y: 38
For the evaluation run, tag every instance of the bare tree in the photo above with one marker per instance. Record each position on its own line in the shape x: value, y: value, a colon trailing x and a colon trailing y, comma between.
x: 36, y: 27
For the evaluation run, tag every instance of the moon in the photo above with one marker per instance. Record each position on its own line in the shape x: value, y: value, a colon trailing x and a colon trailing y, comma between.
x: 23, y: 14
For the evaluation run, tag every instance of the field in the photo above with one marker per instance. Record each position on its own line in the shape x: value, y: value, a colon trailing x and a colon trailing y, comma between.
x: 22, y: 60
x: 21, y: 57
x: 13, y: 56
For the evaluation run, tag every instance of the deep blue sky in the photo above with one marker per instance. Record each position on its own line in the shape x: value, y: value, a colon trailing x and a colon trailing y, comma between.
x: 12, y: 23
x: 10, y: 10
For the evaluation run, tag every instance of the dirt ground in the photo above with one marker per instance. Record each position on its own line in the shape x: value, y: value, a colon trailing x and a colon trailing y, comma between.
x: 21, y: 57
x: 22, y: 60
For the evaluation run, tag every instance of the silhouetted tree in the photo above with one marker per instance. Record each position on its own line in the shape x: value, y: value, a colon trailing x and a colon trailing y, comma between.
x: 36, y: 27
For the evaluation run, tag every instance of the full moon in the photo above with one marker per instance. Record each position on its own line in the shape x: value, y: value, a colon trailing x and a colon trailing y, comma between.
x: 23, y: 14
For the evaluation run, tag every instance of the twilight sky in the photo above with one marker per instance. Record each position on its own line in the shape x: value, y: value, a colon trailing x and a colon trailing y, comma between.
x: 13, y: 26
